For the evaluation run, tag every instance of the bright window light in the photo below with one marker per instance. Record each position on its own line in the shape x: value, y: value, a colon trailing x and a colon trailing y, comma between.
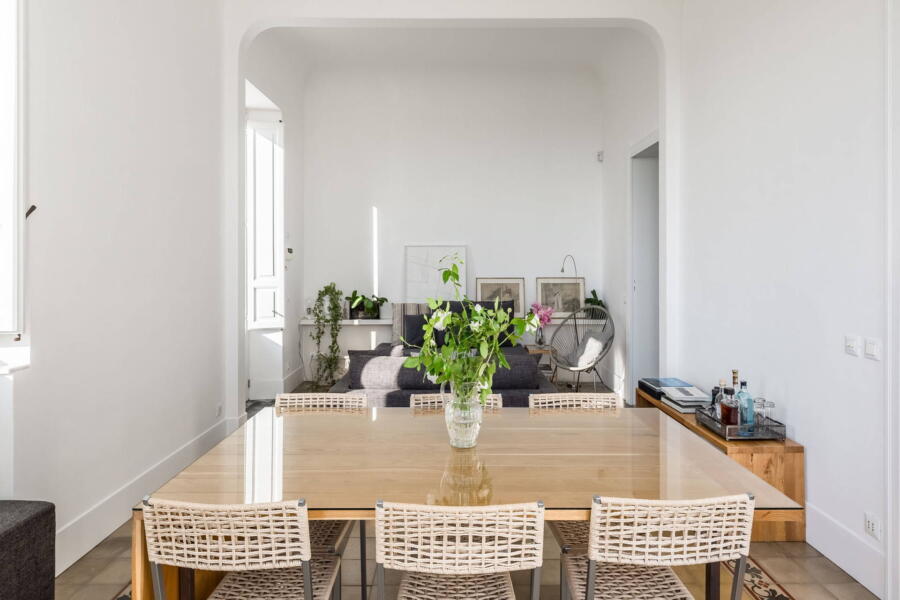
x: 375, y: 250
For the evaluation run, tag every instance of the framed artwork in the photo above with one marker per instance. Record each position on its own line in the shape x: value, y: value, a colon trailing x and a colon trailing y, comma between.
x: 564, y: 294
x: 422, y: 272
x: 489, y: 289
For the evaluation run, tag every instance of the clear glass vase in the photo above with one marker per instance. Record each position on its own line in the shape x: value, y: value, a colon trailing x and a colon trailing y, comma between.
x: 462, y: 413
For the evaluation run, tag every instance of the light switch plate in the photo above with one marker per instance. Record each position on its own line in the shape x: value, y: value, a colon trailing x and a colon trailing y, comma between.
x: 851, y: 345
x: 873, y: 349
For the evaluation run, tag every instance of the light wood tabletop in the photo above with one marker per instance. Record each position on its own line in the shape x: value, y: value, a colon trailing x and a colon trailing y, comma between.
x: 343, y: 463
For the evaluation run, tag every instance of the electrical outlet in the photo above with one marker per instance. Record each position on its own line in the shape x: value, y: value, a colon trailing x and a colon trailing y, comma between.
x: 873, y: 526
x: 218, y: 410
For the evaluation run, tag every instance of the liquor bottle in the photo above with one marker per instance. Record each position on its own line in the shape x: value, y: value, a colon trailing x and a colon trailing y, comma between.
x: 729, y: 408
x: 735, y: 380
x: 718, y: 397
x: 746, y: 408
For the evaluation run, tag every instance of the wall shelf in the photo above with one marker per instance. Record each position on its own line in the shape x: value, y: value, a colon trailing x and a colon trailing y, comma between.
x: 353, y: 322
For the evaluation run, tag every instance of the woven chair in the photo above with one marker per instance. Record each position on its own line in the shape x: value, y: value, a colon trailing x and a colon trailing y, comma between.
x: 581, y: 341
x: 321, y: 403
x: 435, y: 402
x: 576, y: 401
x: 632, y: 545
x: 458, y: 553
x: 266, y: 549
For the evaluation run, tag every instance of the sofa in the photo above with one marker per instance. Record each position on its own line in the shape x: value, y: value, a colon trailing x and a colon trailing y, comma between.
x: 381, y: 375
x: 27, y: 561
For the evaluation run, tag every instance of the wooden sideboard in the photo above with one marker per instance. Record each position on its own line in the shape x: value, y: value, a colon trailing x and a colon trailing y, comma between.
x: 781, y: 464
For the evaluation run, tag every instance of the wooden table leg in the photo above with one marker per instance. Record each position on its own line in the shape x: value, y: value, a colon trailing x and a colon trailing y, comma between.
x: 141, y: 584
x: 712, y: 581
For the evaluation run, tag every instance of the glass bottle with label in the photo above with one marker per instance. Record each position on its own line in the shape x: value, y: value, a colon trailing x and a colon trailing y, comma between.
x: 746, y: 408
x: 729, y: 408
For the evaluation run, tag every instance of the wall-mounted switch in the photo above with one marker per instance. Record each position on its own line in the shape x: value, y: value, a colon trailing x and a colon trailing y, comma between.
x: 851, y: 345
x: 873, y: 349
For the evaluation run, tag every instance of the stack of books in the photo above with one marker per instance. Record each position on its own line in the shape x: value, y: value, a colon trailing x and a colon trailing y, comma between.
x: 675, y: 393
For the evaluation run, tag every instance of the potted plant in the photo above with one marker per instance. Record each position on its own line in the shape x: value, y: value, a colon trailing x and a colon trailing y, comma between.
x: 469, y: 356
x: 594, y: 300
x: 365, y: 307
x: 326, y: 313
x: 544, y: 314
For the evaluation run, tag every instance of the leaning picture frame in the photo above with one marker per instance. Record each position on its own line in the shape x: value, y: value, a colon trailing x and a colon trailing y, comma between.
x: 488, y: 289
x: 564, y: 294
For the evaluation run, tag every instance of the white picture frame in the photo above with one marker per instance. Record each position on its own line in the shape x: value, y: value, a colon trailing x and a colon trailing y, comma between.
x: 422, y: 271
x: 506, y: 288
x: 564, y: 294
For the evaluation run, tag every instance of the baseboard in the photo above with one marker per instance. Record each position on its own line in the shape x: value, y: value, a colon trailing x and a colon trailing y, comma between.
x: 292, y: 380
x: 864, y: 561
x: 265, y: 389
x: 75, y: 538
x: 616, y: 382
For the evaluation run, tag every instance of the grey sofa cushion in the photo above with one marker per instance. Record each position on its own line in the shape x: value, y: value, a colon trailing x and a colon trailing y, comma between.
x: 27, y: 561
x: 521, y: 374
x: 386, y: 372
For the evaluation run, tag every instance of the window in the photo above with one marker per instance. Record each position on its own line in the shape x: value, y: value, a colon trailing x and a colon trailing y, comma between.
x: 10, y: 170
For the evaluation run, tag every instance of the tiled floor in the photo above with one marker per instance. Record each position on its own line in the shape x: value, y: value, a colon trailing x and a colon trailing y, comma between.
x: 798, y: 567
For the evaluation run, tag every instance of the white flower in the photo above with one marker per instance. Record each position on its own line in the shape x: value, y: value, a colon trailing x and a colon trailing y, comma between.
x: 531, y: 323
x: 440, y: 319
x: 478, y: 308
x: 475, y: 325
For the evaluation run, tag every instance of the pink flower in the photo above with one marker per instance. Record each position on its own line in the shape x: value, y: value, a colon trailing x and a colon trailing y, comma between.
x: 544, y: 313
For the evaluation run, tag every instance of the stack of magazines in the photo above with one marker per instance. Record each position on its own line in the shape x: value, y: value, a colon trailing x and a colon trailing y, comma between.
x: 675, y: 393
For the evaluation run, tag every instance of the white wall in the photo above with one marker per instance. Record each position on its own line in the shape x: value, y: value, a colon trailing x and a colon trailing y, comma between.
x: 124, y: 285
x: 784, y: 236
x: 500, y: 159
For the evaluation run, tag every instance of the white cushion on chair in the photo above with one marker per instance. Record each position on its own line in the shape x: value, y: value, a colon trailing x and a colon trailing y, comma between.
x: 585, y: 355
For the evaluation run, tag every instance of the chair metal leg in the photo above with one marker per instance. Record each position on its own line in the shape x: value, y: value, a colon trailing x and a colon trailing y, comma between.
x: 536, y: 583
x: 577, y: 381
x: 156, y: 573
x: 563, y: 584
x: 363, y: 579
x: 379, y: 582
x: 712, y: 581
x: 591, y: 576
x: 737, y: 584
x: 307, y: 581
x: 336, y: 590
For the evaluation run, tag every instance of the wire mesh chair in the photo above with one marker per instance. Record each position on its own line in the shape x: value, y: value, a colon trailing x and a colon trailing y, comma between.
x: 581, y: 341
x: 576, y: 401
x: 632, y: 545
x: 458, y: 553
x: 322, y: 403
x: 266, y: 549
x: 435, y: 402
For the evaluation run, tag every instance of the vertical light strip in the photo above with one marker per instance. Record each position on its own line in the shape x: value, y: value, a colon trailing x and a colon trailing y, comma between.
x: 375, y: 250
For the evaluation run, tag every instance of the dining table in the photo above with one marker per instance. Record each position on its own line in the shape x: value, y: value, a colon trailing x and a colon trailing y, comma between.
x: 343, y: 462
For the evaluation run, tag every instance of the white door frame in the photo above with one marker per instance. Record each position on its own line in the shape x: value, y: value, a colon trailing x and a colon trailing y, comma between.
x: 637, y: 148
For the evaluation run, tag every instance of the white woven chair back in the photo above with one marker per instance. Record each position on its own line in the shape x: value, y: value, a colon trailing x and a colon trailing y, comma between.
x: 670, y: 533
x: 227, y: 537
x: 327, y: 403
x: 465, y: 540
x: 426, y: 402
x: 583, y: 401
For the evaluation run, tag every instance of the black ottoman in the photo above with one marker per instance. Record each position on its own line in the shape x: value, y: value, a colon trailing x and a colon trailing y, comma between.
x: 27, y: 561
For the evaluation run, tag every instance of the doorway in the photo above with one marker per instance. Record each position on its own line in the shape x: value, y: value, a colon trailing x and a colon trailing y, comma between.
x: 645, y: 235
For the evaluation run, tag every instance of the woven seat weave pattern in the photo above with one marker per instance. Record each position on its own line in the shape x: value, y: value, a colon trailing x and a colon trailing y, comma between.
x: 227, y: 537
x: 279, y: 584
x: 326, y: 403
x: 435, y: 402
x: 571, y: 534
x: 580, y: 400
x: 325, y: 535
x: 670, y: 533
x: 459, y: 540
x: 416, y: 586
x: 624, y: 582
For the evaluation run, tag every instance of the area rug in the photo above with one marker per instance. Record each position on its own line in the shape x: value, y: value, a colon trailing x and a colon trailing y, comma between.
x: 757, y: 582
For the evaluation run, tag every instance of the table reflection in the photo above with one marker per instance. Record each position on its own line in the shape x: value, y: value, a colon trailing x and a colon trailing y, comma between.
x: 465, y: 482
x: 264, y: 457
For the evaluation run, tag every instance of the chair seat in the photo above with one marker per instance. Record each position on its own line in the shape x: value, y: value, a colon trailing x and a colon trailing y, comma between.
x: 425, y: 586
x: 329, y: 536
x: 572, y: 536
x: 280, y: 584
x: 623, y: 582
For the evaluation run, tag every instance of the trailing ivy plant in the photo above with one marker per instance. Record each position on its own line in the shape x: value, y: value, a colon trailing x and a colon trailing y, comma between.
x: 327, y: 312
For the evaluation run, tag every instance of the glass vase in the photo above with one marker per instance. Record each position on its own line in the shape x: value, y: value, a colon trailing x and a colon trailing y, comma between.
x: 462, y: 413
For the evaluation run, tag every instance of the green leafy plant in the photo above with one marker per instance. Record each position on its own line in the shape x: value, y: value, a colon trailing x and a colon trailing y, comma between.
x: 595, y: 300
x: 472, y: 339
x: 327, y: 312
x: 371, y: 305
